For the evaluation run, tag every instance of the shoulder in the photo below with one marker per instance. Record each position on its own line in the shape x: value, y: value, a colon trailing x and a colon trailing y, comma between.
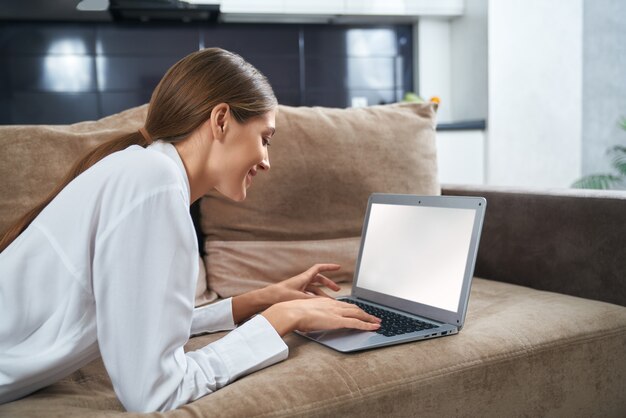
x: 141, y: 164
x: 134, y: 174
x: 140, y: 169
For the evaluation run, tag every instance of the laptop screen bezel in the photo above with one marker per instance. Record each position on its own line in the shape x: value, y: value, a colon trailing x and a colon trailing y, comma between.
x: 441, y: 315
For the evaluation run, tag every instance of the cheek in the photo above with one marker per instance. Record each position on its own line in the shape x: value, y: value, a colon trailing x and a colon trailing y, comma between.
x: 252, y: 156
x: 243, y: 160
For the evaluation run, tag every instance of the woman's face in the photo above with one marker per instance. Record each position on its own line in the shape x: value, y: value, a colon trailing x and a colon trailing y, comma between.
x: 245, y: 153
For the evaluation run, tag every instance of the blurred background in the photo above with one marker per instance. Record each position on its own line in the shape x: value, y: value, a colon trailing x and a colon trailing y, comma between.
x: 533, y: 93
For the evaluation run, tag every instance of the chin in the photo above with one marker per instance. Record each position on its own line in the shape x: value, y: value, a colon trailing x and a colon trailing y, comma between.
x: 240, y: 197
x: 234, y: 195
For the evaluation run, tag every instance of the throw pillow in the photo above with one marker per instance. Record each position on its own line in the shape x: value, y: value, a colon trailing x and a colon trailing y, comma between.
x: 309, y: 207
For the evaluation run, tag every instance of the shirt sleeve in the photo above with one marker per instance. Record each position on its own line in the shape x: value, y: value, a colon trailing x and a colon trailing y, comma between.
x: 215, y: 317
x: 143, y: 274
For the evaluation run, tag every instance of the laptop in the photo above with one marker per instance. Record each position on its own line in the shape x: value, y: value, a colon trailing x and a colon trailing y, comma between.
x: 414, y: 269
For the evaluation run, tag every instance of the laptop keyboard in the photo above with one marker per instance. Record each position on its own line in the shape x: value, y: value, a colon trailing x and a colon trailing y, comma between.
x: 392, y: 323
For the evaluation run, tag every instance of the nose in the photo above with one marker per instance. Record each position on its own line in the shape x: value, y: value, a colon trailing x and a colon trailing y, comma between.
x: 265, y: 164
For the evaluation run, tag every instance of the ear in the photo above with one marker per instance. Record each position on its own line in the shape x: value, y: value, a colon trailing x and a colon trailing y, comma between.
x: 220, y: 118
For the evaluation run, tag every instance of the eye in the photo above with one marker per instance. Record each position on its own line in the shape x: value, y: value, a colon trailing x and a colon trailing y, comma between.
x: 266, y: 142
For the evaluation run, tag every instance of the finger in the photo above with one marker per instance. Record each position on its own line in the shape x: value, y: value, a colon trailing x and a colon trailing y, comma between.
x: 357, y: 324
x: 319, y: 292
x: 358, y: 313
x: 306, y: 294
x: 323, y: 280
x: 317, y: 268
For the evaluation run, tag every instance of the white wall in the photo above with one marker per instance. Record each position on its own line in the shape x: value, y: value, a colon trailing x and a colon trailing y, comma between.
x: 460, y: 157
x: 434, y: 66
x: 451, y: 58
x: 547, y: 75
x: 468, y: 50
x: 535, y: 92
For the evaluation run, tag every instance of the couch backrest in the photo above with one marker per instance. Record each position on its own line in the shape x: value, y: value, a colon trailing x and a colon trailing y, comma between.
x: 565, y: 241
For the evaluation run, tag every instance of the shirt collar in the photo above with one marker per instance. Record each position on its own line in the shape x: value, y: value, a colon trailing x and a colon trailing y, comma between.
x: 170, y: 150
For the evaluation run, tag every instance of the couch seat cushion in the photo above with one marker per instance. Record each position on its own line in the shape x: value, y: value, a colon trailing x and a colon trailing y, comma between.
x: 522, y: 352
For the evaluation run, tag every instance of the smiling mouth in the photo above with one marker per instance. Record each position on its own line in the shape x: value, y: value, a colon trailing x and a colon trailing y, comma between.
x: 249, y: 176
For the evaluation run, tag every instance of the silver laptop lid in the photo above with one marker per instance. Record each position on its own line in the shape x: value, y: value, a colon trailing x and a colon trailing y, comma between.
x: 418, y: 253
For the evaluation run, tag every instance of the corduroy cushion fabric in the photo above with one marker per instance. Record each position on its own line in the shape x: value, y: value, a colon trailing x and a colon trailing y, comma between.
x: 35, y: 158
x: 309, y: 207
x: 522, y: 352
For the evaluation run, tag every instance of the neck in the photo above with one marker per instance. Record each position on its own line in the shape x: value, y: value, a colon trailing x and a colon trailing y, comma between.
x: 194, y: 152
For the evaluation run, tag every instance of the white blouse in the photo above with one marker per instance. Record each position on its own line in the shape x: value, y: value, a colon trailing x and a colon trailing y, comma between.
x: 109, y: 269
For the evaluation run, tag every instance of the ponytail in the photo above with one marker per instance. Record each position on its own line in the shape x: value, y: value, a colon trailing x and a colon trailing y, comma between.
x: 91, y: 158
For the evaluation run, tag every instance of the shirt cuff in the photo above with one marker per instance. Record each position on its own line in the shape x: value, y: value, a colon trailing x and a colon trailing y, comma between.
x: 215, y: 317
x: 250, y: 347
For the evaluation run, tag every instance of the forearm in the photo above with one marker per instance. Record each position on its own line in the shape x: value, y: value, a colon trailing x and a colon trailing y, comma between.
x: 248, y: 304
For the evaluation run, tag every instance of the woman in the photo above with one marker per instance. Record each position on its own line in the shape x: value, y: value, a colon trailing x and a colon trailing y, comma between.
x: 111, y: 255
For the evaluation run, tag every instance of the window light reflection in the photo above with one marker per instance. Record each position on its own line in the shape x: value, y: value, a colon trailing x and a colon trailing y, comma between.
x: 66, y: 67
x: 371, y: 60
x: 68, y: 46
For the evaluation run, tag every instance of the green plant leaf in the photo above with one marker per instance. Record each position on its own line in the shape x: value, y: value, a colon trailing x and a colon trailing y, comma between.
x: 619, y: 159
x: 596, y: 181
x: 608, y: 181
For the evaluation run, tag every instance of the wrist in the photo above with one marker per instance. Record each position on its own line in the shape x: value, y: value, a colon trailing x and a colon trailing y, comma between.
x: 281, y: 318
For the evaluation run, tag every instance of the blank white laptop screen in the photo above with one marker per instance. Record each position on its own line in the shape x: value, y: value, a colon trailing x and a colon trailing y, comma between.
x: 417, y: 253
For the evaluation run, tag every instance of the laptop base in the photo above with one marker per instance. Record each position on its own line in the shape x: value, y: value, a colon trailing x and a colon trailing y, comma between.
x: 350, y: 340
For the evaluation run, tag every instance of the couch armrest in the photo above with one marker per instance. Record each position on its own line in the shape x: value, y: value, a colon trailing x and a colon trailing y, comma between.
x: 566, y: 241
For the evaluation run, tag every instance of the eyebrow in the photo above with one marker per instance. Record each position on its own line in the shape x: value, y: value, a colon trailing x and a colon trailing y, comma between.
x: 271, y: 130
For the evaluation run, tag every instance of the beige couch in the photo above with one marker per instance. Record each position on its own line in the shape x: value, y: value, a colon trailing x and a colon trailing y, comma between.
x: 545, y: 333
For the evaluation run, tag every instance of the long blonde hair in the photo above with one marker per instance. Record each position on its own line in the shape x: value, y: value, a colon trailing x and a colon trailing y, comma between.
x: 181, y: 102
